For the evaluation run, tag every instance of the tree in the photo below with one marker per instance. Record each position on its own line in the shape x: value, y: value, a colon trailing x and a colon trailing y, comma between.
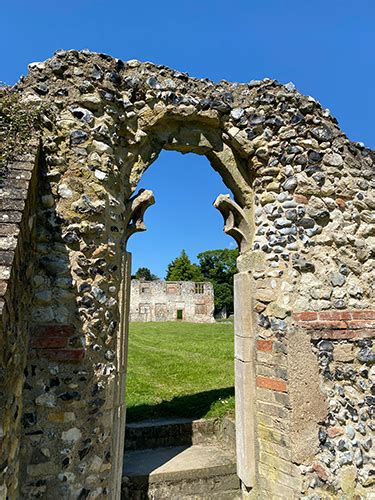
x: 223, y: 296
x: 144, y: 273
x: 182, y: 269
x: 219, y: 266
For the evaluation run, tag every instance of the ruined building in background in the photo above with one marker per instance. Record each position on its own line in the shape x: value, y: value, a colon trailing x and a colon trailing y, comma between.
x: 171, y: 301
x: 303, y: 216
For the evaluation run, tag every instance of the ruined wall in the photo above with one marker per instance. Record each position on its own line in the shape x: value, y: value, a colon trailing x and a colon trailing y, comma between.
x: 17, y: 201
x: 160, y: 301
x: 319, y: 224
x: 303, y: 216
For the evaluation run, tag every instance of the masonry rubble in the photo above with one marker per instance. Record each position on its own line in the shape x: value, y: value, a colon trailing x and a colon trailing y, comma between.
x: 303, y: 217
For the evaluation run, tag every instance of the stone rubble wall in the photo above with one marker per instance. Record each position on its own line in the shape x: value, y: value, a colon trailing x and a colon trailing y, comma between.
x: 160, y: 300
x: 318, y: 223
x: 343, y: 344
x: 306, y: 195
x: 17, y: 202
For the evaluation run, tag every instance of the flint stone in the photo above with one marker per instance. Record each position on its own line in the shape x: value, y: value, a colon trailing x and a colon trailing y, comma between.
x: 102, y: 147
x: 64, y: 191
x: 83, y: 114
x: 48, y: 400
x: 72, y: 435
x: 43, y: 314
x: 333, y: 159
x: 291, y: 215
x: 237, y: 113
x: 289, y: 230
x: 282, y: 223
x: 43, y: 296
x: 326, y: 346
x: 289, y: 184
x: 96, y: 73
x: 78, y: 137
x: 41, y: 89
x: 54, y: 264
x: 366, y: 355
x: 337, y: 279
x: 323, y: 133
x: 346, y: 458
x: 367, y: 444
x: 302, y: 265
x: 290, y: 204
x: 306, y: 223
x: 314, y: 156
x: 281, y: 197
x: 153, y: 83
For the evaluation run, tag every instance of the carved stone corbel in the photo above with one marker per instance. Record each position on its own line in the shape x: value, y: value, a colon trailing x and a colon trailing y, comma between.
x: 135, y: 210
x: 235, y: 223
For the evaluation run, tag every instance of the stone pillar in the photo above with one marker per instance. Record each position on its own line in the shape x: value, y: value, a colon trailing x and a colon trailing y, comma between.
x: 237, y: 225
x: 119, y: 408
x: 244, y: 379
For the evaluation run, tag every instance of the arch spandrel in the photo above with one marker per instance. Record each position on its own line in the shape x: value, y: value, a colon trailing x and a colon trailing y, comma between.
x: 306, y: 193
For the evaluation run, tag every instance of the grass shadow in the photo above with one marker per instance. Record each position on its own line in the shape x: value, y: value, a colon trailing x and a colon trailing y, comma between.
x: 188, y: 406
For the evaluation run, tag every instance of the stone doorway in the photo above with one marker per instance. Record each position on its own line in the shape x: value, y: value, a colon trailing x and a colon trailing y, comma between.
x: 299, y: 185
x: 180, y: 314
x: 237, y: 226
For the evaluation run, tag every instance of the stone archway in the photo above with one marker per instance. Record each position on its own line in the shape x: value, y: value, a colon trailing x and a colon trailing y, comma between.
x: 302, y: 191
x: 185, y: 137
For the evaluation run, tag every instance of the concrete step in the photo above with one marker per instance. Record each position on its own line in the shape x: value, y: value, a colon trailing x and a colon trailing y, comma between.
x: 200, y: 471
x: 178, y: 432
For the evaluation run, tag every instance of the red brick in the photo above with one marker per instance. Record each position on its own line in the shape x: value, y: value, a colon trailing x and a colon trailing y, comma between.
x: 335, y: 431
x: 264, y: 345
x: 363, y: 314
x: 273, y: 384
x: 335, y: 315
x: 62, y: 354
x: 340, y: 202
x: 321, y: 471
x: 54, y: 331
x: 360, y: 324
x: 45, y: 342
x: 340, y: 334
x: 323, y: 325
x: 300, y: 198
x: 305, y: 316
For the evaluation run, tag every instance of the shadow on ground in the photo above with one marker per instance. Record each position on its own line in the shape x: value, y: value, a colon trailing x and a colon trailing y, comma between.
x: 189, y: 406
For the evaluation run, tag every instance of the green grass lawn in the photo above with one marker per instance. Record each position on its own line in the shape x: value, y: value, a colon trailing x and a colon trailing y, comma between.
x: 180, y: 369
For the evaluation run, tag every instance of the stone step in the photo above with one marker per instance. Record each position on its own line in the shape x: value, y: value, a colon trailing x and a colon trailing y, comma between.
x: 178, y: 432
x: 180, y: 472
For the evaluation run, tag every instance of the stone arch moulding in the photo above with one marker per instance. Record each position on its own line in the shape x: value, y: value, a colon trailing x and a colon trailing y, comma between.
x: 237, y: 226
x: 304, y: 291
x: 181, y: 137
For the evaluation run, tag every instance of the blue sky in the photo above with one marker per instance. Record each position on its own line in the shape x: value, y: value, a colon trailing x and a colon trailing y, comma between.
x: 326, y: 48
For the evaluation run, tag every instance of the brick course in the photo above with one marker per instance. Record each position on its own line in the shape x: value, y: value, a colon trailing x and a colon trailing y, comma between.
x: 337, y: 325
x: 52, y: 342
x: 271, y: 383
